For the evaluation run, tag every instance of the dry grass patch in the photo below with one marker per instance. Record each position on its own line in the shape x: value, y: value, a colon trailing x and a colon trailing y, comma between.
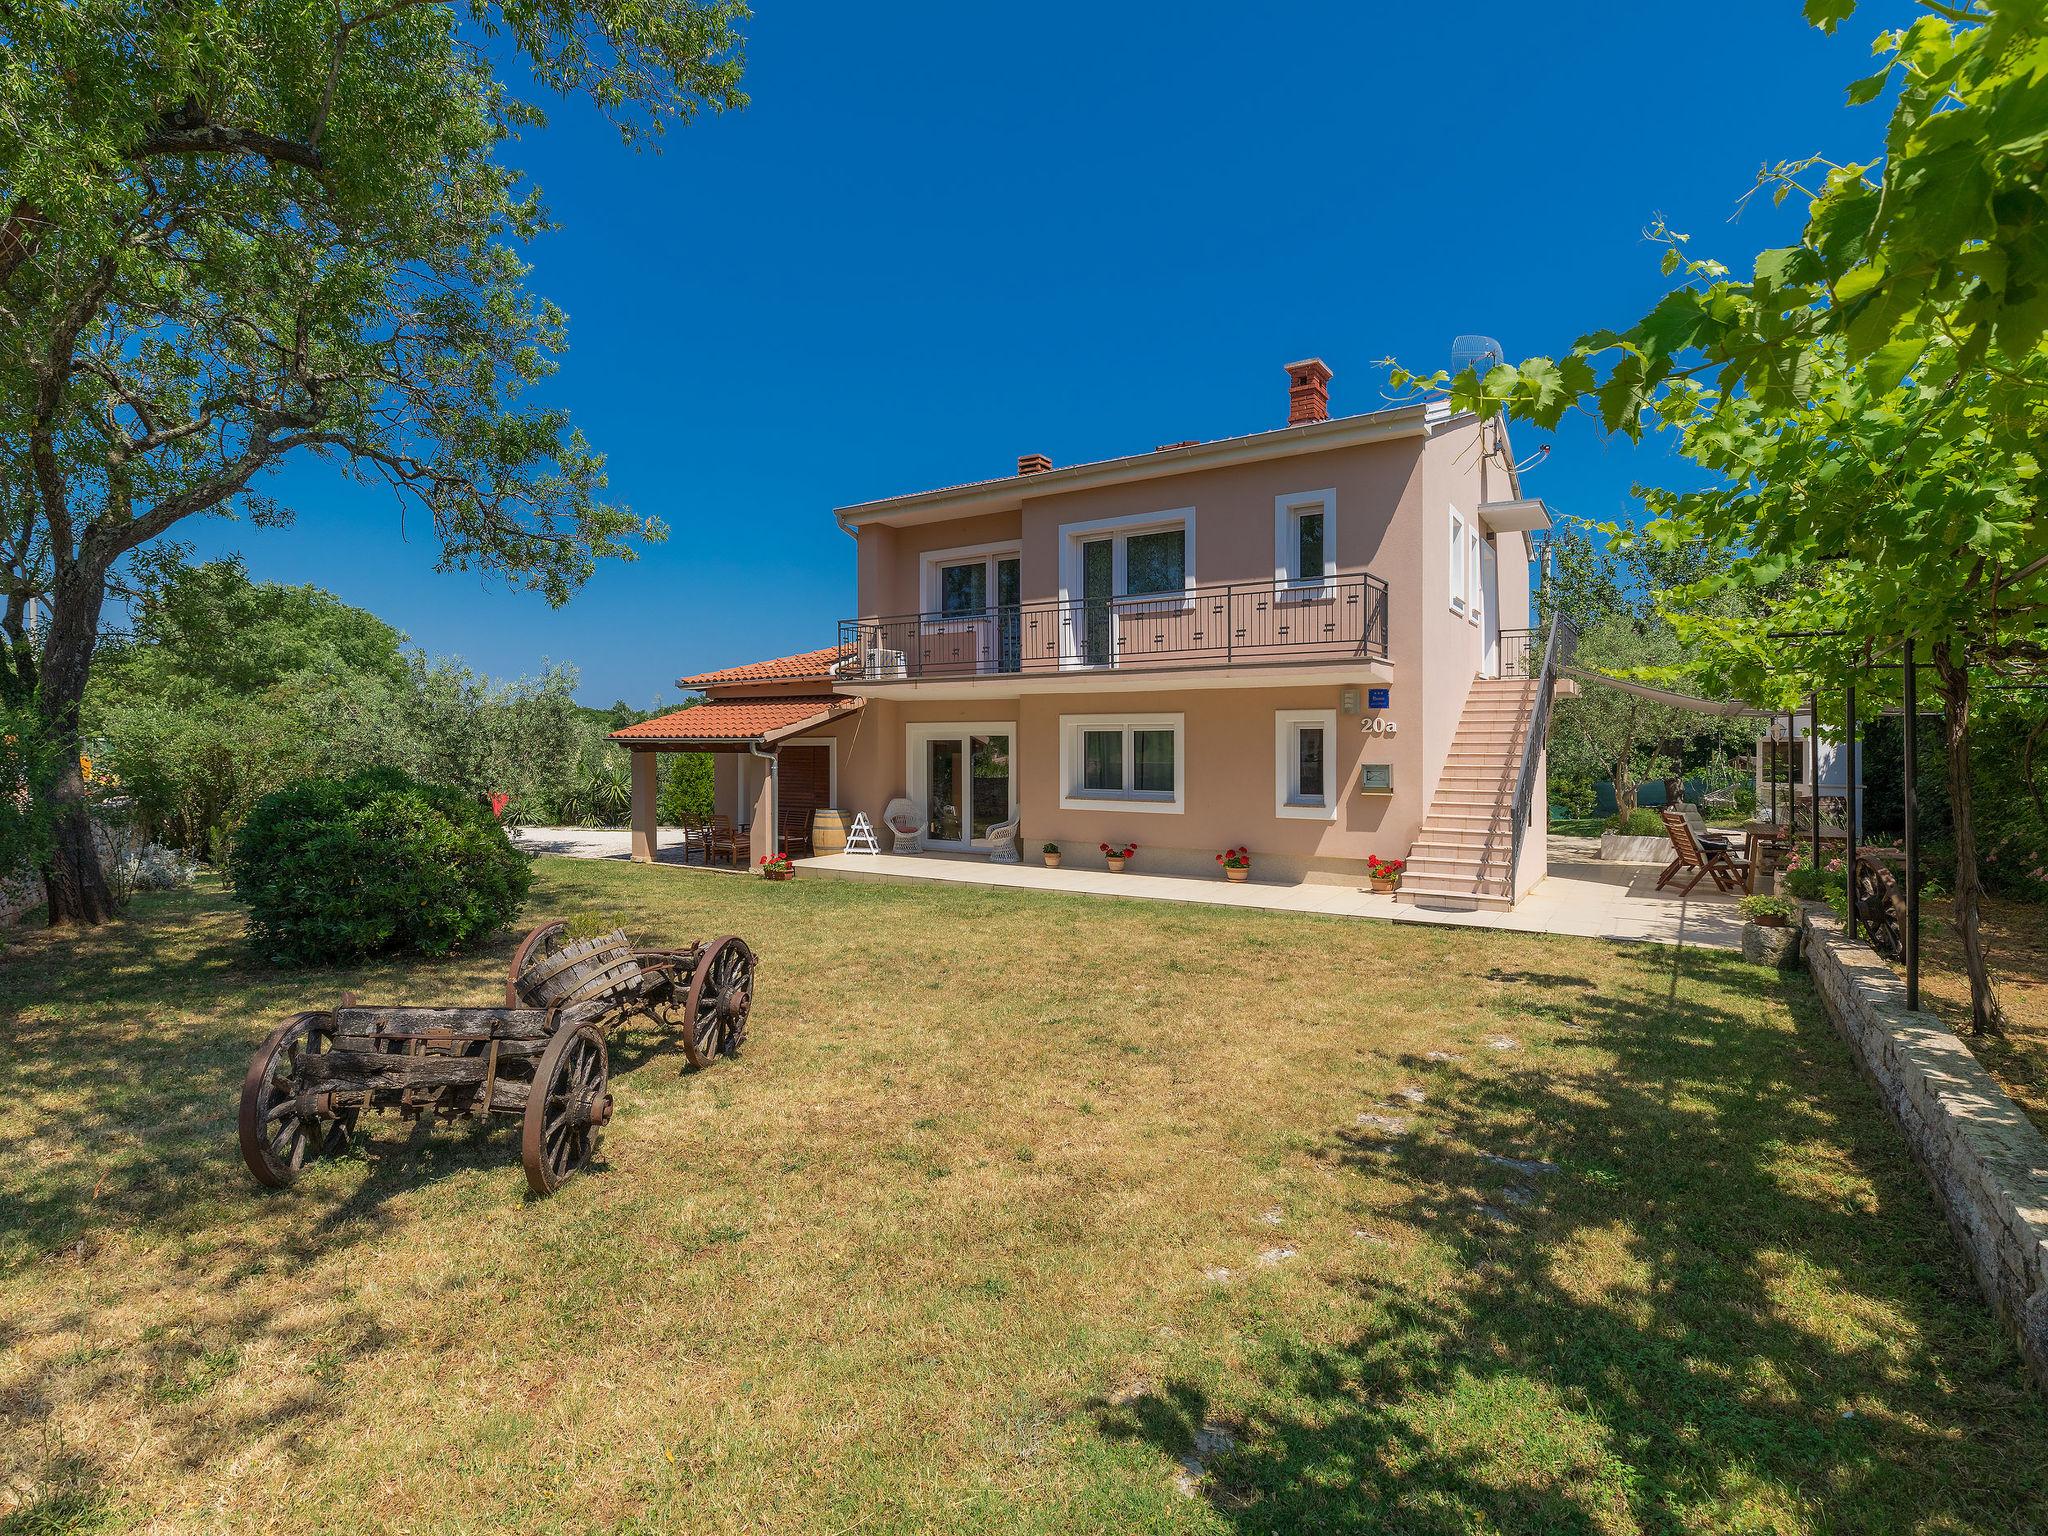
x: 1023, y: 1213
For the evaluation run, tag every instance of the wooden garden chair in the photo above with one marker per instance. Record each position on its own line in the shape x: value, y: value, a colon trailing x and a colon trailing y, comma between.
x: 1730, y: 872
x: 722, y: 837
x: 795, y: 834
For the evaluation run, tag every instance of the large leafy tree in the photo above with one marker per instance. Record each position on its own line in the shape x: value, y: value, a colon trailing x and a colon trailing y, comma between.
x: 232, y: 231
x: 1875, y: 394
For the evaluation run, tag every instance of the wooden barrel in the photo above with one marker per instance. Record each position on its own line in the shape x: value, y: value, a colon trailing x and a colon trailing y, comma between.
x: 828, y: 831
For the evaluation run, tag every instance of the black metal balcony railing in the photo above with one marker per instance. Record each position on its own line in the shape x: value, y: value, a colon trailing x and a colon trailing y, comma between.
x: 1337, y: 619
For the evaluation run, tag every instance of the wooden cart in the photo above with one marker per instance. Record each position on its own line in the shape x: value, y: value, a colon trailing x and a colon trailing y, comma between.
x: 541, y: 1057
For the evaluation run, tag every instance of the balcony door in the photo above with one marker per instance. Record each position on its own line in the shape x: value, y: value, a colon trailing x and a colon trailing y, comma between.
x: 965, y: 777
x: 1098, y: 593
x: 973, y: 619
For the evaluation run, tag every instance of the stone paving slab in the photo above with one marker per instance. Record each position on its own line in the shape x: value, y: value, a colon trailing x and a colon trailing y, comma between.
x: 1580, y: 897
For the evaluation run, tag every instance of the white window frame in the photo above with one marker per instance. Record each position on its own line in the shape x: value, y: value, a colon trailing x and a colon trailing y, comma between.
x: 1150, y: 802
x: 1457, y: 571
x: 931, y: 589
x: 1475, y: 579
x: 917, y: 763
x: 1287, y: 798
x: 1287, y: 513
x: 1072, y: 535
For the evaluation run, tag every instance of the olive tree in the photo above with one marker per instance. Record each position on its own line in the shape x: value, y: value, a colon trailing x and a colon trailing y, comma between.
x: 237, y: 231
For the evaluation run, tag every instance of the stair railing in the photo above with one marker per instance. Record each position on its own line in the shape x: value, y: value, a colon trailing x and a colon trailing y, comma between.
x: 1557, y: 655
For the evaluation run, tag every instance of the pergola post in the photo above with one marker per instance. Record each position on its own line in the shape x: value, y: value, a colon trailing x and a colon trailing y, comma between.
x: 1849, y: 831
x: 1911, y: 765
x: 646, y: 765
x: 1812, y: 772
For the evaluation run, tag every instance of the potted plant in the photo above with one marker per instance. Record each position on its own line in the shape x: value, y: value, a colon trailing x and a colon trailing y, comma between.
x: 1386, y: 873
x: 1052, y: 855
x: 1237, y: 864
x: 1769, y: 937
x: 776, y: 866
x: 1116, y: 854
x: 1769, y: 911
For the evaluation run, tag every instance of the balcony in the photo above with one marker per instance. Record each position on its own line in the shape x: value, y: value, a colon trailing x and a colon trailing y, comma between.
x: 1311, y: 627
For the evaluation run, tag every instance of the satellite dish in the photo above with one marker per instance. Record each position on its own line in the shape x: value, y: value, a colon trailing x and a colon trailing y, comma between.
x: 1478, y: 353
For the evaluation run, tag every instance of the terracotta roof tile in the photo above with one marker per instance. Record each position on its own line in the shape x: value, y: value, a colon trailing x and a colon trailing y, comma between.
x: 736, y: 719
x: 803, y: 667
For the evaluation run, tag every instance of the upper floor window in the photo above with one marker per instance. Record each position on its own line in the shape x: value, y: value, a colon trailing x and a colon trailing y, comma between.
x: 963, y: 588
x: 1156, y: 562
x: 969, y: 582
x: 1304, y: 528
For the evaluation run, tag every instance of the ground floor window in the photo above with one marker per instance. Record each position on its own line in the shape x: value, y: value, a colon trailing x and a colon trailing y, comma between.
x: 1133, y: 762
x: 1304, y: 764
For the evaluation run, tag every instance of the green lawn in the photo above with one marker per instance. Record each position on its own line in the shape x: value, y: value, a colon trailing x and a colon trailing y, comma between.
x: 1011, y: 1200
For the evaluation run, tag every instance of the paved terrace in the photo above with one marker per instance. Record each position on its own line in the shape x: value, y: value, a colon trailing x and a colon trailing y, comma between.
x: 1581, y: 897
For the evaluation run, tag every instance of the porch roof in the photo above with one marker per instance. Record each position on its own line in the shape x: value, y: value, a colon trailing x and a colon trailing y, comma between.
x: 804, y: 667
x: 734, y: 724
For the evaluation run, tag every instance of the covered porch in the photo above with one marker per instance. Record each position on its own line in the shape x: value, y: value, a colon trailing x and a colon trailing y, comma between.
x: 746, y: 730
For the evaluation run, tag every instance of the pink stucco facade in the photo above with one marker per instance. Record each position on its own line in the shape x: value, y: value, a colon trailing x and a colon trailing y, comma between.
x: 1275, y: 641
x: 1389, y: 503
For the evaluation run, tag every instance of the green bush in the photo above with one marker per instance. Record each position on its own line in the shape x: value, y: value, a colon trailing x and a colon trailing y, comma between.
x: 1640, y: 822
x: 378, y: 863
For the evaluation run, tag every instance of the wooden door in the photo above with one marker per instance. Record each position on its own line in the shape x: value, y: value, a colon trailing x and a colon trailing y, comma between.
x: 805, y: 782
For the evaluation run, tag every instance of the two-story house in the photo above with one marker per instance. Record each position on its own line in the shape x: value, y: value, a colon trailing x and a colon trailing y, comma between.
x: 1312, y: 641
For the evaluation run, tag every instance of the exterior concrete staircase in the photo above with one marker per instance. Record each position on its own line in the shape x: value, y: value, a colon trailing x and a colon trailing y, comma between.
x: 1462, y: 856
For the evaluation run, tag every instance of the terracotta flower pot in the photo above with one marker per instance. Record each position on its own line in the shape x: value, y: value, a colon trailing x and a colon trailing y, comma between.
x: 1052, y: 861
x: 1385, y: 885
x: 1237, y: 876
x: 778, y: 874
x: 1768, y: 920
x: 1116, y: 865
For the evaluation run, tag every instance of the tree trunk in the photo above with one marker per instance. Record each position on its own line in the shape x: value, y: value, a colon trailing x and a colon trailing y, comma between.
x: 1624, y: 788
x: 77, y: 887
x: 1985, y: 1014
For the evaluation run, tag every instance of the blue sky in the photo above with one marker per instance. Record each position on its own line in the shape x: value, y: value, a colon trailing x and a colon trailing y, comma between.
x: 942, y: 236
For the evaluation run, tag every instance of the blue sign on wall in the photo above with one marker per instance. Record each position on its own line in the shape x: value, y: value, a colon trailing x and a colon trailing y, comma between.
x: 1376, y: 698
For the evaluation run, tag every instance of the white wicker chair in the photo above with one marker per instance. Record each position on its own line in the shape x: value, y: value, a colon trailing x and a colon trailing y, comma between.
x: 905, y: 821
x: 1002, y: 843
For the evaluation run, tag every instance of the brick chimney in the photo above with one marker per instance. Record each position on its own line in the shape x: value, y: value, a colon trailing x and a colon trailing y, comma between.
x: 1033, y: 463
x: 1308, y: 392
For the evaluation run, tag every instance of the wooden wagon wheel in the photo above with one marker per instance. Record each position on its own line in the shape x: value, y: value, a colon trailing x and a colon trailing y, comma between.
x: 721, y: 995
x: 537, y: 945
x: 566, y: 1108
x: 277, y: 1141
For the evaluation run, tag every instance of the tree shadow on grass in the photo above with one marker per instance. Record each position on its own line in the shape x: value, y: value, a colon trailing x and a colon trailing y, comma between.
x: 1695, y: 1284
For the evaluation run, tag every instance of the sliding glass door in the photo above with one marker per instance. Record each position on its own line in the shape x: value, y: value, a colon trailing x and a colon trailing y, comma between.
x: 965, y: 776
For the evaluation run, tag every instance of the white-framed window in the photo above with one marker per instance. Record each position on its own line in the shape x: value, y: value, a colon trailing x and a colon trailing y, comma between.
x: 966, y: 583
x: 1305, y: 779
x: 1457, y: 562
x: 1475, y: 584
x: 1147, y: 555
x: 1305, y: 538
x: 1123, y: 762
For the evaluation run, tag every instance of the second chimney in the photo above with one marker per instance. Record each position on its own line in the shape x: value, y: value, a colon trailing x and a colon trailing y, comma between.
x: 1308, y: 392
x: 1033, y: 463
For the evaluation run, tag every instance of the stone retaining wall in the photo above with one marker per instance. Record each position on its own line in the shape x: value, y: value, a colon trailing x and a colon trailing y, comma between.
x: 1987, y: 1162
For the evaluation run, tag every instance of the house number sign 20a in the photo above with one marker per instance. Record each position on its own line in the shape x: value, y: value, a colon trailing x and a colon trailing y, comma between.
x: 1377, y: 726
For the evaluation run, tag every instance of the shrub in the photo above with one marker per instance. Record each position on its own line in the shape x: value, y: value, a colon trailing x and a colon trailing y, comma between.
x: 377, y: 863
x: 1640, y: 822
x: 1779, y: 907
